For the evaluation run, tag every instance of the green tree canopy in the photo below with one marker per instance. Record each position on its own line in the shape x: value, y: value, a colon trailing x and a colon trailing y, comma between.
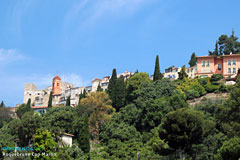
x: 182, y: 128
x: 230, y: 149
x: 68, y: 102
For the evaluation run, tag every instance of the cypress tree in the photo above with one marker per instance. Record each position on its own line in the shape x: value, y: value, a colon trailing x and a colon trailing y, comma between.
x: 50, y: 101
x: 120, y: 93
x: 68, y: 103
x: 157, y: 75
x: 80, y: 97
x: 28, y: 106
x: 193, y: 60
x: 84, y: 135
x: 84, y: 94
x: 99, y: 88
x: 112, y: 87
x: 182, y: 74
x: 2, y: 105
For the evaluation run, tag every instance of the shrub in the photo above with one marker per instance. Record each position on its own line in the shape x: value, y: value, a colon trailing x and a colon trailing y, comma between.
x: 211, y: 87
x: 204, y: 81
x: 191, y: 94
x: 223, y: 88
x: 215, y: 78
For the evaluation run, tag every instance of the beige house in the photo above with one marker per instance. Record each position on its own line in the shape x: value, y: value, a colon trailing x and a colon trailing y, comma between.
x: 191, y: 71
x: 172, y: 72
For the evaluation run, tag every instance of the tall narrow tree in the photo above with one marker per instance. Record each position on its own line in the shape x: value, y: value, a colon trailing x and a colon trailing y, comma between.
x: 193, y: 60
x: 182, y: 74
x: 84, y: 94
x: 80, y: 97
x: 83, y: 134
x: 50, y: 101
x: 68, y: 102
x: 2, y: 105
x: 112, y: 87
x: 99, y: 88
x: 29, y: 105
x: 120, y: 93
x: 157, y: 74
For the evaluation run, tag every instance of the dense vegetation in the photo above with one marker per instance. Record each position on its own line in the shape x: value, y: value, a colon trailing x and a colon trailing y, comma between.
x: 135, y: 118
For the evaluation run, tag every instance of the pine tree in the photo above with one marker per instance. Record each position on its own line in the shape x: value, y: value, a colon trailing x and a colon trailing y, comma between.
x: 193, y: 60
x: 112, y: 87
x: 2, y: 105
x: 50, y: 101
x: 157, y: 74
x: 99, y: 88
x: 182, y: 74
x: 120, y: 93
x: 68, y: 103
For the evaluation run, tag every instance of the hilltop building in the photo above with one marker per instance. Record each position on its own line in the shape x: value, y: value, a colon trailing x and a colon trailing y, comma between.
x: 227, y: 65
x: 61, y: 91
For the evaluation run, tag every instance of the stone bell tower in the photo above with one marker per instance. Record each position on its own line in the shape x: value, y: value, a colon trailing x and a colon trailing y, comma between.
x: 56, y: 85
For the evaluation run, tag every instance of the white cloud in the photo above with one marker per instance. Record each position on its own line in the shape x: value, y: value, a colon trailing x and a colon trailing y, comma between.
x: 10, y: 55
x: 86, y: 14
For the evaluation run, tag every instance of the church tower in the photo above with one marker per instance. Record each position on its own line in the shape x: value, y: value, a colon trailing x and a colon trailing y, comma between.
x: 56, y: 85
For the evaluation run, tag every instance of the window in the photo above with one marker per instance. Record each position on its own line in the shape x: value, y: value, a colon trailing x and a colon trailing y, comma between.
x: 234, y: 62
x: 229, y: 62
x: 207, y: 63
x: 57, y: 84
x: 234, y: 70
x: 219, y: 67
x: 203, y: 63
x: 174, y: 76
x: 229, y: 70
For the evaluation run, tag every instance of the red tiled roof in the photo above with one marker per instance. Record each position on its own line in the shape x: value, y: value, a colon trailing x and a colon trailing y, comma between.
x: 96, y: 79
x: 57, y: 77
x: 39, y: 107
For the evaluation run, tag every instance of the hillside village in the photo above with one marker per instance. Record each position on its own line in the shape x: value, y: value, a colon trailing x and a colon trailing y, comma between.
x: 184, y: 113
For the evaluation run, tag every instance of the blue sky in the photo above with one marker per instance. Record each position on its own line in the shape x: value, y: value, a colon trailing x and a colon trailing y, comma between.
x: 85, y: 39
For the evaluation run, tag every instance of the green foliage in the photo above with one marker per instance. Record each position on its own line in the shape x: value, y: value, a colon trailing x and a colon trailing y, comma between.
x: 211, y: 87
x: 59, y: 119
x: 99, y: 88
x: 215, y: 78
x: 204, y: 81
x: 230, y: 149
x: 2, y: 105
x: 50, y: 101
x: 112, y: 87
x: 155, y: 90
x: 193, y: 60
x: 68, y: 102
x: 157, y: 74
x: 182, y: 74
x: 120, y: 131
x: 43, y: 139
x: 27, y: 127
x: 229, y: 44
x: 5, y: 115
x: 23, y: 108
x: 134, y: 83
x: 120, y: 93
x: 191, y: 88
x: 182, y: 128
x: 81, y: 131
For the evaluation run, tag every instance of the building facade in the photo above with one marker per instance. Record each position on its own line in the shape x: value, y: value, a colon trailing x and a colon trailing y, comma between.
x: 61, y: 91
x: 227, y: 65
x: 172, y: 72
